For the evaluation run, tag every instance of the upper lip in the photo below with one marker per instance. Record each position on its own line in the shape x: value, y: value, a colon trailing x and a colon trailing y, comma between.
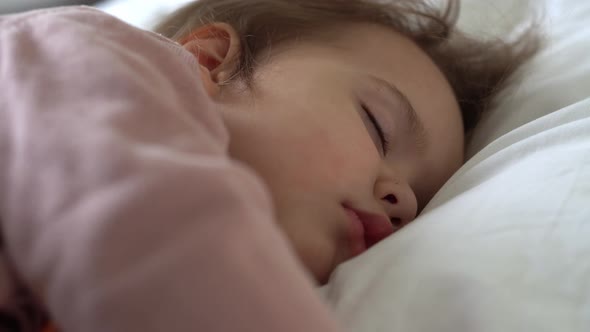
x: 376, y: 226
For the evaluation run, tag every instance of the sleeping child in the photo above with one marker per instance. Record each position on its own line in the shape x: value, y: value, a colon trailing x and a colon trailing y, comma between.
x: 208, y: 176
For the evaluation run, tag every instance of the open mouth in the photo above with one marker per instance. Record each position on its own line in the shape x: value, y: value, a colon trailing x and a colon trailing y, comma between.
x: 366, y: 229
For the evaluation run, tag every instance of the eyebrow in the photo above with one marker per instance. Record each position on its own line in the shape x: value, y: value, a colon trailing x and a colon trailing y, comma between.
x: 416, y: 126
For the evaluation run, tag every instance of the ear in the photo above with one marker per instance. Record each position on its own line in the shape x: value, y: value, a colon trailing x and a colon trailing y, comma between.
x: 216, y: 47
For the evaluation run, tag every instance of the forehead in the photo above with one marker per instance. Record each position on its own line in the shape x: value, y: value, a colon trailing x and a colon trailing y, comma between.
x: 394, y: 57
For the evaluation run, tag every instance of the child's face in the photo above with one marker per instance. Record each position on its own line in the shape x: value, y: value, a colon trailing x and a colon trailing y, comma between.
x: 305, y: 131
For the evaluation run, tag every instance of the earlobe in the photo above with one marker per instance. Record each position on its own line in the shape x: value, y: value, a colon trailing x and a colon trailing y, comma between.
x: 216, y: 47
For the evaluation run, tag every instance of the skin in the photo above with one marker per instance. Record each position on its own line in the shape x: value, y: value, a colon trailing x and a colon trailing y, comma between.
x: 303, y: 130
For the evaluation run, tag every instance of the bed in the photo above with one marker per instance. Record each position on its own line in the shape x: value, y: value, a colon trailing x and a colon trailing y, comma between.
x: 505, y: 244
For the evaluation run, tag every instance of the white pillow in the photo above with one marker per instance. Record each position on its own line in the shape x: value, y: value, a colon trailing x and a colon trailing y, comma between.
x: 505, y: 245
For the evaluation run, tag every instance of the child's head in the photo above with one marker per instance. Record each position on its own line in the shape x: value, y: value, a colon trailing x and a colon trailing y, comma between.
x: 344, y: 106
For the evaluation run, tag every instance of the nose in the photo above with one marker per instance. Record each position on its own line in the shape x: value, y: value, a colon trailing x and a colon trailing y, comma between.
x: 398, y: 201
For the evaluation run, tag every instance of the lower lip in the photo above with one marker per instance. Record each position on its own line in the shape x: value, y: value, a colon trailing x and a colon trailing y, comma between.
x: 356, y: 234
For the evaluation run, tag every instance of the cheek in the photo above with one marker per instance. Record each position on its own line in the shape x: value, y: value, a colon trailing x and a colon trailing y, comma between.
x: 341, y: 155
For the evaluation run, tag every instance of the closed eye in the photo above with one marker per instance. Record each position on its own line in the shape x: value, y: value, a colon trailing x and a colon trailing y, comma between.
x: 378, y: 129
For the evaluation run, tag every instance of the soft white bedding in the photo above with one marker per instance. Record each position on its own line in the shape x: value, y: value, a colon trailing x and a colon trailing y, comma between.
x: 505, y: 245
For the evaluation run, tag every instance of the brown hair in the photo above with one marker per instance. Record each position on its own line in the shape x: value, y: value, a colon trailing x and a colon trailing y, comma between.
x: 476, y: 68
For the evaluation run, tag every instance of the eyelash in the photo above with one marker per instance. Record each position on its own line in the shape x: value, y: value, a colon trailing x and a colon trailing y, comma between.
x: 375, y: 122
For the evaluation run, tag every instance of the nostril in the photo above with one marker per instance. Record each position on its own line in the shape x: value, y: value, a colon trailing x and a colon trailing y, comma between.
x: 396, y: 222
x: 390, y: 198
